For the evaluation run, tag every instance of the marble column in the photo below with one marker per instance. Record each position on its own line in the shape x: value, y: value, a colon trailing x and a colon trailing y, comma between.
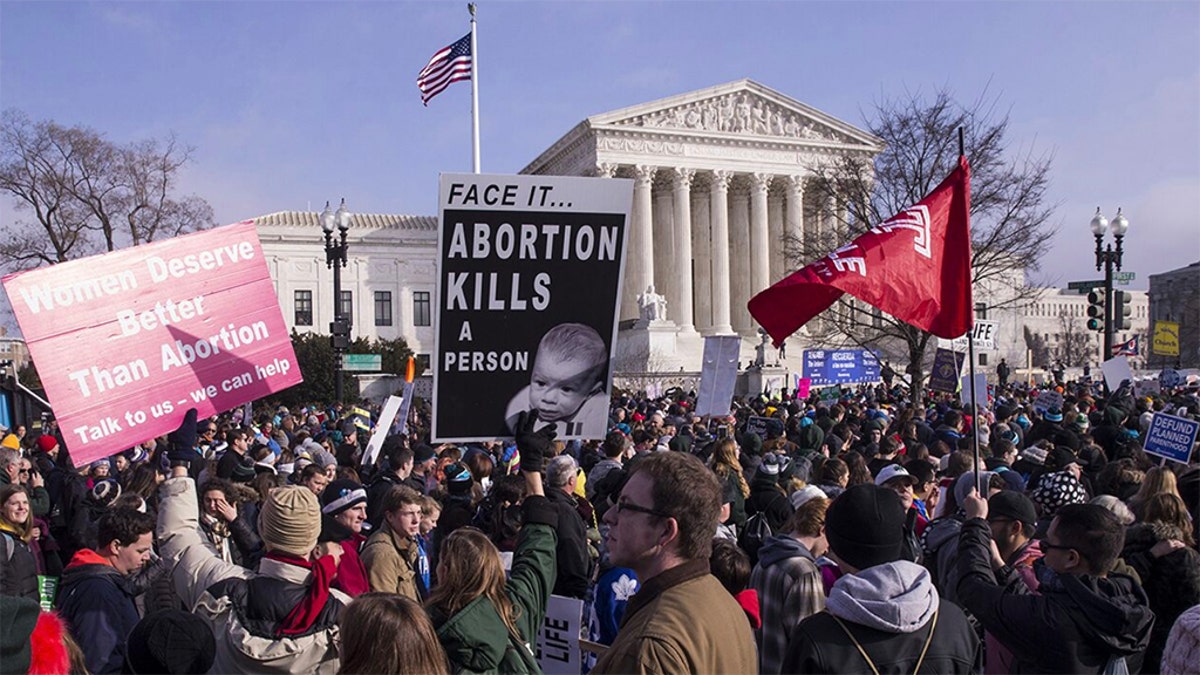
x: 639, y: 265
x: 665, y: 274
x: 739, y: 261
x: 793, y: 225
x: 702, y: 253
x: 760, y: 248
x: 718, y: 194
x: 775, y: 235
x: 682, y: 193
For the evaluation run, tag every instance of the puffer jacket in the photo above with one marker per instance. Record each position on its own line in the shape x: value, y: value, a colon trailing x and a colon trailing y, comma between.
x: 1172, y: 582
x: 1075, y: 624
x: 245, y: 609
x: 475, y: 638
x: 97, y: 603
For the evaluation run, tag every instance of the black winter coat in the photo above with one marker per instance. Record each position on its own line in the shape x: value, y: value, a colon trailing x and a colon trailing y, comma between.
x: 1074, y: 625
x: 18, y: 568
x: 1172, y: 582
x: 573, y: 561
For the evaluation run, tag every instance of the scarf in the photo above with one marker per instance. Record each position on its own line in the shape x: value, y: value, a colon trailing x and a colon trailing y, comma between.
x: 304, y: 615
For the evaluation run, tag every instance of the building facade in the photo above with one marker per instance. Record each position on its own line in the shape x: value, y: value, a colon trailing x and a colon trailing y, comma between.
x: 1055, y: 329
x: 1175, y: 297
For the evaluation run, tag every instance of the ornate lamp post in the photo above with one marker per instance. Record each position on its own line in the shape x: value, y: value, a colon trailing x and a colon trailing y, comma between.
x: 1106, y: 258
x: 335, y: 259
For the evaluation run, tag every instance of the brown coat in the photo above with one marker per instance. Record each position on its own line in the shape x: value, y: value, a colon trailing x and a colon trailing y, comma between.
x: 391, y: 561
x: 682, y: 621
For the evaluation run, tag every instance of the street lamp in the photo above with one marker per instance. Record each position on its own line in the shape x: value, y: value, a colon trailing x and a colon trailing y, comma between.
x: 335, y: 259
x: 1106, y: 258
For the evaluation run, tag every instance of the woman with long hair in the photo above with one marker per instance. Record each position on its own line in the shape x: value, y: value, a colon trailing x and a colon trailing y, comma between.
x: 1158, y: 480
x: 724, y: 462
x: 411, y: 646
x: 18, y: 562
x: 1161, y: 548
x: 484, y: 621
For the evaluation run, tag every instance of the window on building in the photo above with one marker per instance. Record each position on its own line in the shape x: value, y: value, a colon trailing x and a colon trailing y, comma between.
x: 421, y: 312
x: 383, y: 308
x: 983, y: 359
x: 423, y: 361
x: 304, y: 308
x: 346, y: 304
x: 980, y: 310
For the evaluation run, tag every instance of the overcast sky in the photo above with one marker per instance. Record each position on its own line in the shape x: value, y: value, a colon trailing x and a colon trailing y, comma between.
x: 291, y: 103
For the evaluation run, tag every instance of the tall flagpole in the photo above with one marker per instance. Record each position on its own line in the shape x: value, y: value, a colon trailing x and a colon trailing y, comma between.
x: 474, y: 91
x: 982, y: 489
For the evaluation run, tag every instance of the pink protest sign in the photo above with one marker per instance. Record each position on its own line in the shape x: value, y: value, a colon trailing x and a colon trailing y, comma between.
x: 803, y: 386
x: 127, y: 341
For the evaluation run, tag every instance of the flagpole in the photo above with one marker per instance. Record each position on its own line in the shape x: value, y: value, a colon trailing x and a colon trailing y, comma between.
x: 474, y: 92
x: 971, y: 355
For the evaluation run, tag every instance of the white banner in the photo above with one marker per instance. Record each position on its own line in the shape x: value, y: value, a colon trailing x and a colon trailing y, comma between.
x: 558, y: 640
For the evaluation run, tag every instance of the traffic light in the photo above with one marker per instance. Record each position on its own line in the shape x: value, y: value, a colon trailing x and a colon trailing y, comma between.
x: 1095, y: 309
x: 340, y: 334
x: 1121, y: 311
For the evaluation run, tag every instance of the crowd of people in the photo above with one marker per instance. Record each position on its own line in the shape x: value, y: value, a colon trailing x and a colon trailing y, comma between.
x: 862, y: 533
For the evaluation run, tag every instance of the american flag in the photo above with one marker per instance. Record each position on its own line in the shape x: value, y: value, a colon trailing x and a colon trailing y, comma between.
x: 449, y: 64
x: 1127, y: 348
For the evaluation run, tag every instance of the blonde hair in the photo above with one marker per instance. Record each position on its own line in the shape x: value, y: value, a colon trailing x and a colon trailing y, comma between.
x: 469, y: 566
x: 1158, y: 480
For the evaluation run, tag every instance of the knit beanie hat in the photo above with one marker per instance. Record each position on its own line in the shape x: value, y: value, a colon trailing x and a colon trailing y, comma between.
x: 1057, y: 490
x: 340, y: 495
x: 290, y: 521
x: 170, y: 641
x: 865, y: 526
x: 11, y: 441
x: 105, y: 492
x: 1054, y: 415
x: 458, y: 478
x: 18, y: 617
x: 46, y: 442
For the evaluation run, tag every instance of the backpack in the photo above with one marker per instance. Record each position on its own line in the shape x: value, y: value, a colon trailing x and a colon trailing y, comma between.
x: 756, y: 533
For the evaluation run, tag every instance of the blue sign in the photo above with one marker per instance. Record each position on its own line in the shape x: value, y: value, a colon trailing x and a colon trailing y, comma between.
x: 840, y: 366
x: 1171, y: 437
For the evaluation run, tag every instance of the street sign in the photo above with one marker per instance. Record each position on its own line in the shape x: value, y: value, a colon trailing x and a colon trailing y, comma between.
x: 1124, y: 278
x: 1085, y: 286
x: 365, y: 363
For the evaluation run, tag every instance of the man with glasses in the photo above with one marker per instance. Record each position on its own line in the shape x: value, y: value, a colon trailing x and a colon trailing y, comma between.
x: 682, y: 619
x: 1084, y: 618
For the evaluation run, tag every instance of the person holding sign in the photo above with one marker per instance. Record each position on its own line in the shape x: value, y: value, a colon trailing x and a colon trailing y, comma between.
x: 485, y: 622
x: 566, y: 387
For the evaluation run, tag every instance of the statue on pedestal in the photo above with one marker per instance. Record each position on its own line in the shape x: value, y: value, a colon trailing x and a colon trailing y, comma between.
x: 651, y: 306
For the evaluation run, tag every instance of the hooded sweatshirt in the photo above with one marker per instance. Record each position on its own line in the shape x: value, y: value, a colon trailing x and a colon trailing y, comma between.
x: 789, y: 588
x: 889, y: 610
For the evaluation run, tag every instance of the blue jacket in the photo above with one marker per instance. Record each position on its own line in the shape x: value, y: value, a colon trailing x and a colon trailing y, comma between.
x: 97, y: 603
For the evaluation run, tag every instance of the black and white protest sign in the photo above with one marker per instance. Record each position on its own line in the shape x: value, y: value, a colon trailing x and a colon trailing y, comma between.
x: 528, y: 298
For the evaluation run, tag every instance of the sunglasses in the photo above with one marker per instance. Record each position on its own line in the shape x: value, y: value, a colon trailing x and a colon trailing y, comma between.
x: 1045, y: 544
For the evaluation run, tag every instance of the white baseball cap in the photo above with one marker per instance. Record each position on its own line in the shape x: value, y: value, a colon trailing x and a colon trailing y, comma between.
x: 893, y: 471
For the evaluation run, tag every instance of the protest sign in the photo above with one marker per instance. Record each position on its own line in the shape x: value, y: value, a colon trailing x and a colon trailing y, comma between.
x: 758, y: 426
x: 981, y: 391
x: 558, y: 639
x: 1171, y: 437
x: 718, y: 374
x: 947, y: 365
x: 1116, y: 370
x: 528, y: 298
x: 840, y: 366
x: 125, y: 342
x: 1048, y: 399
x: 391, y: 407
x: 803, y: 386
x: 830, y: 393
x: 985, y: 338
x: 1166, y: 338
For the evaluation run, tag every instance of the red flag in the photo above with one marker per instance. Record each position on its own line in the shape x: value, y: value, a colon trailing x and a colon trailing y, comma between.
x: 916, y: 267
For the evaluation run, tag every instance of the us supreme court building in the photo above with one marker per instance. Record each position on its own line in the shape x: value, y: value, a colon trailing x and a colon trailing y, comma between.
x: 721, y: 180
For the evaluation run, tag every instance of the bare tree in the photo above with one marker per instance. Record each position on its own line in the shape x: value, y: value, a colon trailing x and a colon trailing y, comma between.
x: 1010, y: 219
x: 86, y: 194
x: 1074, y: 344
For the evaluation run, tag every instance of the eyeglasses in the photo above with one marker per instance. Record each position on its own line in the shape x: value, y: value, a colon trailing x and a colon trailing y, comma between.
x: 210, y: 430
x: 628, y: 506
x: 21, y: 471
x: 1046, y: 544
